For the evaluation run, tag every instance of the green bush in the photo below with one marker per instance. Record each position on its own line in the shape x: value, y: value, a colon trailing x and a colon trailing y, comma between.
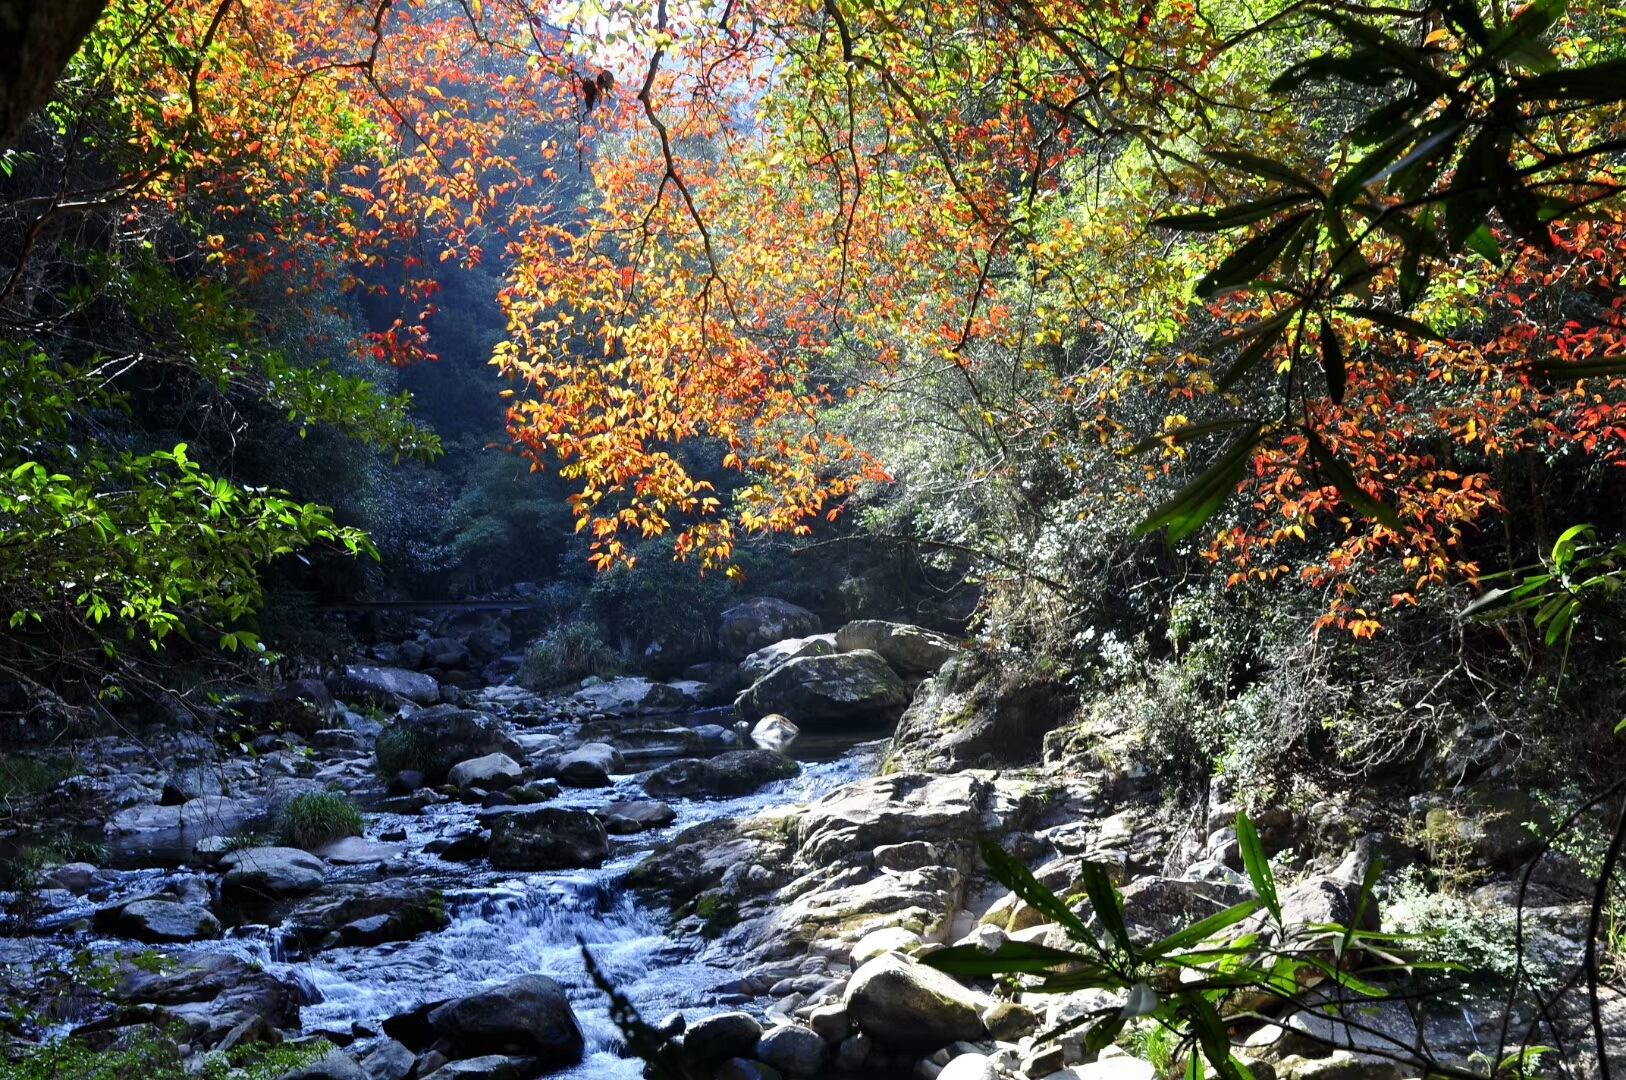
x: 22, y: 774
x: 400, y: 748
x: 317, y: 818
x: 569, y: 654
x: 151, y: 1055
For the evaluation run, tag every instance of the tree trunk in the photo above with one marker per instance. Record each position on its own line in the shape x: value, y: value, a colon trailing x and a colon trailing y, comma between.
x: 37, y: 38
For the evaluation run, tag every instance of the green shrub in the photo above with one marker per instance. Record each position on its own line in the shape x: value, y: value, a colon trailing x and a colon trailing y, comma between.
x: 22, y: 774
x: 401, y: 748
x: 317, y: 818
x: 151, y: 1055
x: 567, y: 655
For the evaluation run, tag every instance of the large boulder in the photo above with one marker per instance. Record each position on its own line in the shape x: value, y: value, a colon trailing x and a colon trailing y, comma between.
x: 904, y: 1005
x: 552, y: 838
x: 635, y: 816
x: 975, y: 714
x: 769, y: 657
x: 273, y: 872
x: 158, y: 920
x: 529, y: 1016
x: 845, y: 689
x: 431, y: 741
x: 709, y: 1042
x: 213, y: 993
x: 628, y: 696
x: 795, y: 1051
x: 774, y: 732
x: 763, y: 621
x: 907, y: 648
x: 738, y: 772
x: 588, y: 766
x: 641, y: 744
x: 395, y: 909
x: 492, y: 772
x: 385, y: 684
x: 300, y: 706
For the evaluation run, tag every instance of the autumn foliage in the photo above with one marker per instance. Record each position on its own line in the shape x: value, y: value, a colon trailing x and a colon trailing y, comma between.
x: 794, y: 207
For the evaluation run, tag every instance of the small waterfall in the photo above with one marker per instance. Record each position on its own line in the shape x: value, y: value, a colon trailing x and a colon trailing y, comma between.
x: 505, y: 926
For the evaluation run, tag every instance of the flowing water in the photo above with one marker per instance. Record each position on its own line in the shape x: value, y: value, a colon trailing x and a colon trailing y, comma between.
x: 505, y: 925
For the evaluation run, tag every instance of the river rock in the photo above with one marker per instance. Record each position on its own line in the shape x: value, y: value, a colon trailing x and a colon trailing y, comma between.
x: 634, y: 816
x: 713, y: 1040
x: 492, y: 772
x: 213, y: 993
x: 643, y: 743
x: 745, y: 1069
x: 273, y: 871
x: 300, y: 706
x: 631, y: 696
x: 552, y: 838
x: 188, y: 782
x: 845, y: 689
x: 974, y: 713
x: 214, y: 812
x: 385, y: 684
x: 969, y: 1067
x: 388, y: 1061
x: 75, y: 877
x: 432, y: 740
x: 529, y: 1016
x: 766, y: 659
x: 161, y: 921
x: 886, y: 810
x: 394, y: 909
x: 335, y: 1065
x: 763, y: 621
x: 487, y: 1067
x: 774, y: 732
x: 588, y: 766
x: 904, y: 1005
x: 889, y: 939
x: 738, y: 772
x: 909, y: 649
x: 794, y: 1051
x: 358, y: 851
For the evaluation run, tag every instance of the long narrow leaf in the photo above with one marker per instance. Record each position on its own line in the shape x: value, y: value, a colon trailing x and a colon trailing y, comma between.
x: 1011, y: 956
x: 1343, y: 478
x: 1194, y: 504
x: 1257, y: 865
x: 1107, y: 904
x: 1199, y: 932
x: 1017, y: 878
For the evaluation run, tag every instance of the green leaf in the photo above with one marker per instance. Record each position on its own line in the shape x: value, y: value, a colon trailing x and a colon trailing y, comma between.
x: 1395, y: 321
x: 1186, y: 432
x: 1248, y: 162
x: 1231, y: 217
x: 1344, y: 480
x: 1332, y: 362
x: 1199, y: 932
x: 1252, y: 258
x: 971, y: 961
x: 1265, y: 335
x: 1595, y: 84
x: 1107, y: 904
x: 1257, y: 865
x: 1009, y: 872
x: 1195, y: 503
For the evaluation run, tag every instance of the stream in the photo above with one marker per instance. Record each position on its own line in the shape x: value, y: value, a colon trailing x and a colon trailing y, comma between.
x: 504, y: 925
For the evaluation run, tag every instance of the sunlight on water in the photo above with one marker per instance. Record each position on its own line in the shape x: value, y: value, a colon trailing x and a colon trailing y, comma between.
x: 506, y: 926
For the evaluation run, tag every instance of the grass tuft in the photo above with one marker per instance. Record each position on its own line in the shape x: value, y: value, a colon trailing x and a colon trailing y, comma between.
x: 317, y: 818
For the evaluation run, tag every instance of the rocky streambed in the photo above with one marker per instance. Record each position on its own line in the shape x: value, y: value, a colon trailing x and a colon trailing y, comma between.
x: 759, y: 877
